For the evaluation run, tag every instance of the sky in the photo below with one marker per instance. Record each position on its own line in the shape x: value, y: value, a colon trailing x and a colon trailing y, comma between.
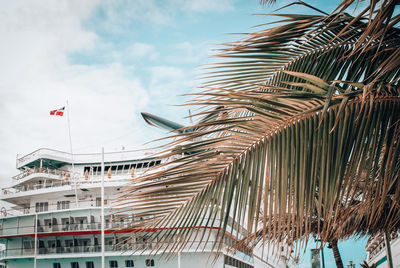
x: 111, y: 60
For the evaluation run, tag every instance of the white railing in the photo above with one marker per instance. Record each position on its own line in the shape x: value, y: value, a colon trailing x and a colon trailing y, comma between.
x: 73, y: 250
x: 42, y: 151
x: 54, y: 184
x: 377, y: 244
x: 34, y: 186
x: 52, y: 207
x: 74, y: 179
x: 84, y: 158
x: 62, y: 227
x: 38, y: 170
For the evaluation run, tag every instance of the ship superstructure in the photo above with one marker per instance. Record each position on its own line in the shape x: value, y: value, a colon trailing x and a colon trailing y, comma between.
x: 377, y: 253
x: 54, y: 219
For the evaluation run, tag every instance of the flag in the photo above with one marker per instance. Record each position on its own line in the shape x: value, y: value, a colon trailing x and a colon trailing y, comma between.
x: 59, y: 112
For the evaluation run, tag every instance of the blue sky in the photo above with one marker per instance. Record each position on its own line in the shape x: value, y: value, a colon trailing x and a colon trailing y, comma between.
x: 350, y: 250
x: 111, y: 60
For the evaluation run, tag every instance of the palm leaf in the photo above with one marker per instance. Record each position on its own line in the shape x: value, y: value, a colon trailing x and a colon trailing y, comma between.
x: 279, y: 136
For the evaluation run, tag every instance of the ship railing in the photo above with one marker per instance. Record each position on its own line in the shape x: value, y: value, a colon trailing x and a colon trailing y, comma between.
x: 65, y: 227
x: 61, y: 174
x: 91, y: 226
x: 41, y: 152
x: 53, y: 207
x: 84, y: 158
x: 82, y: 181
x: 133, y: 247
x: 377, y: 244
x: 69, y: 223
x: 34, y: 186
x: 48, y: 171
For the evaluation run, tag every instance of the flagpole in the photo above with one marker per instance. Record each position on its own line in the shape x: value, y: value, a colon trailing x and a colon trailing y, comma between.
x: 102, y: 208
x: 72, y: 157
x: 35, y: 226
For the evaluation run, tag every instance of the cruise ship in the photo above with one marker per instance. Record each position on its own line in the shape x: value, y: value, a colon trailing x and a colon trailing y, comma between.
x: 53, y: 216
x: 61, y: 211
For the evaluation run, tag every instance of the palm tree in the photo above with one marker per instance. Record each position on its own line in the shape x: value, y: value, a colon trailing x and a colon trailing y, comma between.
x: 298, y: 125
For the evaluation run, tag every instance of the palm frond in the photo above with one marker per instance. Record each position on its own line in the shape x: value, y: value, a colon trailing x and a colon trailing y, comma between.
x: 292, y: 165
x: 294, y: 126
x: 380, y: 17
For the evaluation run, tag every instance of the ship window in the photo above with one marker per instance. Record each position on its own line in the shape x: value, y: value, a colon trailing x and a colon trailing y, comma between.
x: 120, y: 167
x: 69, y: 243
x: 74, y: 264
x: 63, y: 205
x: 113, y: 168
x: 145, y: 164
x: 89, y: 264
x: 149, y: 262
x: 29, y: 245
x: 56, y: 265
x: 42, y: 206
x: 129, y: 263
x: 98, y: 201
x: 126, y: 167
x: 151, y: 164
x: 113, y: 264
x: 133, y: 166
x: 109, y: 242
x: 51, y: 243
x: 139, y: 165
x: 158, y: 162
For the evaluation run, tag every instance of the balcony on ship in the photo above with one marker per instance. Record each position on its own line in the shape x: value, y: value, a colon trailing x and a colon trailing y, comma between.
x: 73, y: 232
x: 39, y: 180
x: 62, y: 221
x: 47, y: 185
x: 90, y: 247
x: 72, y: 250
x: 40, y: 172
x: 114, y: 244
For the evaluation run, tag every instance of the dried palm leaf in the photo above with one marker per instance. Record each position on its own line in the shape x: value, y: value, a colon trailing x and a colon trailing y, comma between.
x: 293, y: 125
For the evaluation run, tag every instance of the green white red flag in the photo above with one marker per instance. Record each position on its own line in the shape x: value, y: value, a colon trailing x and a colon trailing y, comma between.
x: 59, y: 112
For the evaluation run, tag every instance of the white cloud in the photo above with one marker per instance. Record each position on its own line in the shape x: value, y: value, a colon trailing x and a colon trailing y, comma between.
x: 123, y: 12
x: 208, y: 5
x: 119, y: 13
x: 37, y: 39
x: 141, y: 51
x: 162, y: 73
x: 189, y: 52
x: 166, y: 83
x: 167, y: 79
x: 37, y: 77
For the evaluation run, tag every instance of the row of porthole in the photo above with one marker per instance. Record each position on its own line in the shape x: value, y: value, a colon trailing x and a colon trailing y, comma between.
x: 112, y: 263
